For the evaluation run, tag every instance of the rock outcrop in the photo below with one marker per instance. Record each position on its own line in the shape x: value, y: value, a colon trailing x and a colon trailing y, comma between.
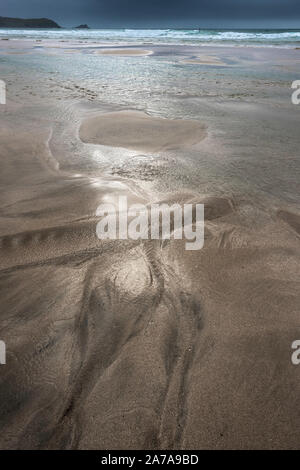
x: 44, y: 23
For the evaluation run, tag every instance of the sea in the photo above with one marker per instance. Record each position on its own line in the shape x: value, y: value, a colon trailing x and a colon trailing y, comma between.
x: 239, y: 37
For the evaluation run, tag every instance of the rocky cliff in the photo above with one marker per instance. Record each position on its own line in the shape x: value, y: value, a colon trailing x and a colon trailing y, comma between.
x: 27, y: 23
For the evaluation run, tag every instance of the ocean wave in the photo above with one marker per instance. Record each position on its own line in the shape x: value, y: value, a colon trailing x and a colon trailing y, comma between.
x: 268, y: 37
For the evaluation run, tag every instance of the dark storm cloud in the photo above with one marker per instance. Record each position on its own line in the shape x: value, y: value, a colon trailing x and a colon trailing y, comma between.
x: 155, y: 13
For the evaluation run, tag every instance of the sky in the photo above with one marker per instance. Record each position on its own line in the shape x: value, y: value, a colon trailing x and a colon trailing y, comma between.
x: 160, y: 13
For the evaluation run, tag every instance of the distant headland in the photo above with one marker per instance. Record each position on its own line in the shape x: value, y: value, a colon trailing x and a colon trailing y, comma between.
x: 82, y: 26
x: 44, y: 23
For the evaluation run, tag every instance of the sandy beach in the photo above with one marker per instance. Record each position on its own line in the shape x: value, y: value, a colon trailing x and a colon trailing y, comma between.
x: 140, y: 344
x: 128, y: 52
x: 138, y: 131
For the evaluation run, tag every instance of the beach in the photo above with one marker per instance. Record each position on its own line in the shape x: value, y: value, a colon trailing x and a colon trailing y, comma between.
x: 141, y: 344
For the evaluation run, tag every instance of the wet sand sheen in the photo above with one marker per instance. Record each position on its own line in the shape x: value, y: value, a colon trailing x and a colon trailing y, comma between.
x: 126, y: 52
x: 138, y: 131
x: 204, y: 60
x: 122, y: 344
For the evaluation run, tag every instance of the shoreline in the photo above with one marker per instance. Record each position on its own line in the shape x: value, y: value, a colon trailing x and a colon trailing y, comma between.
x: 88, y: 42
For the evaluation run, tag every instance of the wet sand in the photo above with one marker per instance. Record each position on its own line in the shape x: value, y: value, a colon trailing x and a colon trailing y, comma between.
x: 138, y: 131
x: 144, y: 345
x: 128, y: 52
x: 205, y: 60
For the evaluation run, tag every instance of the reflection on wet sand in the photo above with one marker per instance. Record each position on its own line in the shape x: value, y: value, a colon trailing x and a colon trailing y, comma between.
x: 142, y: 344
